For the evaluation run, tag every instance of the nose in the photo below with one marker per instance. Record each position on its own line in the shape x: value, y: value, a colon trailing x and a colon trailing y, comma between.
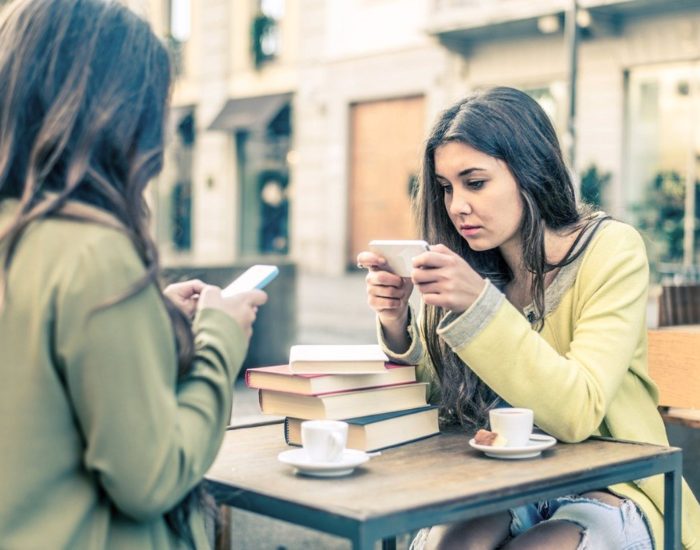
x: 460, y: 205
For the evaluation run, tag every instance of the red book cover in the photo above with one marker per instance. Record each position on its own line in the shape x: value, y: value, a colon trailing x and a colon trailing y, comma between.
x: 281, y: 378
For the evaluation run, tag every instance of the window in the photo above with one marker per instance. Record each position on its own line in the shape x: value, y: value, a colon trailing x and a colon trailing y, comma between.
x: 266, y: 39
x: 179, y: 28
x: 663, y: 157
x: 180, y: 20
x: 552, y: 100
x: 264, y: 155
x: 180, y: 207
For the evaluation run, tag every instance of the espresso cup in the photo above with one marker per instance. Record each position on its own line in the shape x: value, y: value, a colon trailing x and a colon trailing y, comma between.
x: 513, y: 424
x: 324, y: 440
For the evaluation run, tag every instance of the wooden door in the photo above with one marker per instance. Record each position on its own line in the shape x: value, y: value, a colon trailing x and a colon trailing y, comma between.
x: 385, y: 146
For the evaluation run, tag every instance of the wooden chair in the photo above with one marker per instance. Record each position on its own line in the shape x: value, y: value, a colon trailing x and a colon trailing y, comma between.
x: 679, y: 305
x: 674, y: 364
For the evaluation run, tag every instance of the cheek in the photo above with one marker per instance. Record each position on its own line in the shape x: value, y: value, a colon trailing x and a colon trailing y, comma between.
x: 514, y: 207
x: 447, y: 201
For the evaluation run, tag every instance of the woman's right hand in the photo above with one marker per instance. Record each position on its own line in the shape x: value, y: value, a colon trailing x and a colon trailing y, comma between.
x: 387, y: 293
x: 241, y: 307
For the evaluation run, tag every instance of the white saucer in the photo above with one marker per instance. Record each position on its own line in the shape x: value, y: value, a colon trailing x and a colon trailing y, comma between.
x: 537, y: 444
x: 304, y: 465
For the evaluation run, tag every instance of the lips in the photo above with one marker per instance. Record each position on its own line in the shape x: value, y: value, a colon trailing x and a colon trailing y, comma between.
x: 469, y: 230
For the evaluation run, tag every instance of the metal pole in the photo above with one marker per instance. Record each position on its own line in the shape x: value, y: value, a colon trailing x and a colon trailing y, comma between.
x: 571, y: 37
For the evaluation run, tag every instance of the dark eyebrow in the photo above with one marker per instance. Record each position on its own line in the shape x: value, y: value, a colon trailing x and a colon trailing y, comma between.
x: 470, y: 170
x: 465, y: 172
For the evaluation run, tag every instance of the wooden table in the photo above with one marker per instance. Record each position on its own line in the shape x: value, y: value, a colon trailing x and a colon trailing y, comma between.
x: 437, y: 480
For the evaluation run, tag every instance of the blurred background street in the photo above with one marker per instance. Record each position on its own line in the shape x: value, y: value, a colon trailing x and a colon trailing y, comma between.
x: 296, y: 130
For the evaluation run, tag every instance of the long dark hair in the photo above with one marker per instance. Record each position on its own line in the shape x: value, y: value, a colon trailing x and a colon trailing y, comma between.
x: 84, y: 88
x: 509, y: 125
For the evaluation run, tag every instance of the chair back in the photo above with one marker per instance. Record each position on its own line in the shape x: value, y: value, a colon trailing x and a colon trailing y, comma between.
x: 674, y: 364
x: 679, y: 304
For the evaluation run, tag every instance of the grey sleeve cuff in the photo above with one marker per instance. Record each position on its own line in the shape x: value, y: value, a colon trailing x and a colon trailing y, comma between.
x: 414, y: 353
x: 460, y: 329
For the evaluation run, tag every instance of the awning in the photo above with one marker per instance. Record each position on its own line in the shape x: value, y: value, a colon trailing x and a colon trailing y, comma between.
x: 249, y: 112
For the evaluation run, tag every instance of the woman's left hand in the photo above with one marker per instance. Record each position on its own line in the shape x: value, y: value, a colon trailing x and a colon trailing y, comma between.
x: 185, y: 295
x: 446, y: 280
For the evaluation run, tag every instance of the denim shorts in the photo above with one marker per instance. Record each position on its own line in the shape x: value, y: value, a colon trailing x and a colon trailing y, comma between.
x: 604, y: 526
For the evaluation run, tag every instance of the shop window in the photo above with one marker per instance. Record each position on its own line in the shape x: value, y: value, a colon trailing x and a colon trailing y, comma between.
x: 662, y: 165
x: 263, y: 169
x: 552, y: 99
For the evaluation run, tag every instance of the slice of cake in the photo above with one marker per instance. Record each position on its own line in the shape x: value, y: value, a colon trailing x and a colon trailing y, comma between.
x: 490, y: 439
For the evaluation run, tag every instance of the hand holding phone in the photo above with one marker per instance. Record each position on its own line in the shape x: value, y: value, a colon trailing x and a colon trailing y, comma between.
x: 399, y: 254
x: 254, y: 277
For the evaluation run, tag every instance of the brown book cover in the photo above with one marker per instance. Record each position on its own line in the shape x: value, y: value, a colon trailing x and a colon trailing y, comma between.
x: 344, y: 404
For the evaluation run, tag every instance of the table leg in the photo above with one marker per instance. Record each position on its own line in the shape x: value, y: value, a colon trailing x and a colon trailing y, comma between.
x: 672, y: 509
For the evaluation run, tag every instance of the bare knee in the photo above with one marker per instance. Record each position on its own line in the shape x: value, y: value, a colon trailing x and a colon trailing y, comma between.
x: 549, y: 535
x: 485, y: 533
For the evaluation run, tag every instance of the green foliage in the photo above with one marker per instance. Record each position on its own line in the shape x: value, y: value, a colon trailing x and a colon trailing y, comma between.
x: 593, y: 184
x: 661, y: 213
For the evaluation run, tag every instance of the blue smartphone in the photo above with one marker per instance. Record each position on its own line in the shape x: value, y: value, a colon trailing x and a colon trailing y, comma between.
x: 254, y: 277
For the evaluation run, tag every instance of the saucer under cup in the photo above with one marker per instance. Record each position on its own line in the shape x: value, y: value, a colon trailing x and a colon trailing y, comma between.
x: 303, y: 464
x: 514, y: 424
x: 324, y: 440
x: 534, y: 447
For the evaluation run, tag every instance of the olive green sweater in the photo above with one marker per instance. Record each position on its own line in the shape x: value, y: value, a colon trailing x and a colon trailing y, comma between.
x: 99, y: 440
x: 585, y: 373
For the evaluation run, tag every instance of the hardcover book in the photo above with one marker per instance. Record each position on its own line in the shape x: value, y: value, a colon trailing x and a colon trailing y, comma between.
x: 337, y: 359
x: 344, y: 404
x: 281, y: 378
x: 378, y: 431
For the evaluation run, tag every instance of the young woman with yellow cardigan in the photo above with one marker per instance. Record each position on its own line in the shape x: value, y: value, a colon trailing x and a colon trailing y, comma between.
x: 531, y: 301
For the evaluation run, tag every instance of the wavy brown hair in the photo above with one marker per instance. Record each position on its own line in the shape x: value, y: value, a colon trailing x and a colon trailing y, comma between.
x: 509, y: 125
x: 84, y: 88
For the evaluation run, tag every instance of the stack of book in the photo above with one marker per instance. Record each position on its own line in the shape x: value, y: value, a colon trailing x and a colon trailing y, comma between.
x: 381, y: 401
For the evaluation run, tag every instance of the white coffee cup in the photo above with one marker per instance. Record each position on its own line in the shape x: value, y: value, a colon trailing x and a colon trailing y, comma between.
x: 324, y: 440
x: 513, y: 424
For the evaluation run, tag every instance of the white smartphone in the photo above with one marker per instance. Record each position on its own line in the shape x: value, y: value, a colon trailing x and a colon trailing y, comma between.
x: 254, y: 277
x: 399, y: 254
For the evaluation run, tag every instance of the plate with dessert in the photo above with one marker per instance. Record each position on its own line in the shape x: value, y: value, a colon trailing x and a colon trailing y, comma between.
x: 494, y: 445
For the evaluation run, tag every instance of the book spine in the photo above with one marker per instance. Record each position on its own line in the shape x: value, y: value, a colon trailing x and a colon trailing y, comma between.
x: 247, y: 378
x: 286, y: 430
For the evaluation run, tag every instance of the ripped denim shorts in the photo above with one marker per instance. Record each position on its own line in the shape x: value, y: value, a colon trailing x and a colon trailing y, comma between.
x: 604, y: 526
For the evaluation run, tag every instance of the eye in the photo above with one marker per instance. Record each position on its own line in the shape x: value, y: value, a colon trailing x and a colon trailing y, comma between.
x: 446, y: 188
x: 476, y: 184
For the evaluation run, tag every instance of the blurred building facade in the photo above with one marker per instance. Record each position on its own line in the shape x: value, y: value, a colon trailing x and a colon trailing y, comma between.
x: 297, y: 124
